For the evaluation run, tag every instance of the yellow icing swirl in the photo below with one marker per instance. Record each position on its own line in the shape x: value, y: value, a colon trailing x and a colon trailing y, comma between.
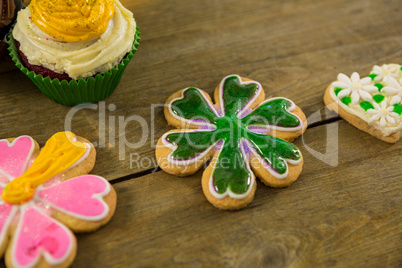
x: 72, y: 20
x: 59, y: 153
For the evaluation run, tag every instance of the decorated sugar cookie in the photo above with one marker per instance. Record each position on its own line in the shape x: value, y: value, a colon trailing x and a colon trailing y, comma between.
x: 373, y: 103
x: 244, y: 135
x: 46, y: 196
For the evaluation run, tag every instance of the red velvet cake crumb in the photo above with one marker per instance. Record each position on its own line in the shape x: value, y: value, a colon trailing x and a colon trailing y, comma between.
x: 45, y: 72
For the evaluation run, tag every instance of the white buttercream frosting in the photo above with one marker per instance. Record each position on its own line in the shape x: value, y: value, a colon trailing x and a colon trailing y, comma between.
x: 77, y: 59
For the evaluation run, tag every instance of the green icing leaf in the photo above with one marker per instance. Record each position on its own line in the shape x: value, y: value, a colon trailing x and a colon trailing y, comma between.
x: 379, y: 86
x: 193, y: 106
x: 274, y: 151
x: 372, y: 76
x: 346, y: 100
x: 237, y: 177
x: 337, y: 90
x: 272, y: 113
x: 378, y: 98
x: 236, y: 96
x: 366, y: 105
x: 190, y: 144
x: 398, y: 108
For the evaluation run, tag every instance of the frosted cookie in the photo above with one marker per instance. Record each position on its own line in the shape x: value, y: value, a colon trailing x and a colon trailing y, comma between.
x: 46, y: 196
x: 244, y: 135
x: 373, y: 103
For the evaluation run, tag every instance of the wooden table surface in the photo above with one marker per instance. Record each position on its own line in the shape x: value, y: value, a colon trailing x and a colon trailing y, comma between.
x: 345, y: 208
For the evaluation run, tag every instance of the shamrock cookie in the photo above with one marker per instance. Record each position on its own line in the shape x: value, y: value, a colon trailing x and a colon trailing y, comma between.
x: 45, y: 195
x: 372, y: 104
x: 244, y: 135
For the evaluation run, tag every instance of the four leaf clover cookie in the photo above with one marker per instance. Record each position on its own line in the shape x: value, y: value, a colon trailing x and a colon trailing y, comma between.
x: 45, y: 195
x: 244, y: 135
x: 373, y: 103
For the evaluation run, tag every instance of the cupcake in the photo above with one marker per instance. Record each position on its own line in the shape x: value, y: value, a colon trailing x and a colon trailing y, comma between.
x: 74, y: 51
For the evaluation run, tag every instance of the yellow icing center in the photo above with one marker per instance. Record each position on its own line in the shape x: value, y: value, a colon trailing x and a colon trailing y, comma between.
x: 384, y: 111
x: 356, y: 85
x: 72, y: 20
x: 59, y: 153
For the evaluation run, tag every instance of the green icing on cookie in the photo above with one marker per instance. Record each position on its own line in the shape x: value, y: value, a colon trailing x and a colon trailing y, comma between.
x: 264, y: 145
x: 366, y: 105
x: 346, y: 100
x: 193, y: 106
x: 232, y: 136
x: 398, y: 109
x: 372, y: 76
x: 337, y: 90
x: 190, y: 144
x: 272, y: 112
x: 379, y: 86
x: 237, y: 177
x: 378, y: 98
x: 236, y: 96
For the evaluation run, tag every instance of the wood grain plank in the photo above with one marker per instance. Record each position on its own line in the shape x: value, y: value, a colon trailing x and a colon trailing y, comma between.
x: 334, y: 216
x: 294, y: 48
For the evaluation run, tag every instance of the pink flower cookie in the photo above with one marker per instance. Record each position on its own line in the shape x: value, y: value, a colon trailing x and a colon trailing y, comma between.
x: 45, y: 195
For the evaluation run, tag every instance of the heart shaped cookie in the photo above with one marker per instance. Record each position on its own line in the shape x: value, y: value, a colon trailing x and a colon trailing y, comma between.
x: 373, y: 103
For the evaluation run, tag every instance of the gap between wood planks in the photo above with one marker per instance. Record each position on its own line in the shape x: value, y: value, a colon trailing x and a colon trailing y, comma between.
x: 157, y: 168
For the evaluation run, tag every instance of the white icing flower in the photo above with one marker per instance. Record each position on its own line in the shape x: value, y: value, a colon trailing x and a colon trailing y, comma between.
x: 355, y: 87
x: 382, y: 113
x: 392, y: 88
x: 386, y: 70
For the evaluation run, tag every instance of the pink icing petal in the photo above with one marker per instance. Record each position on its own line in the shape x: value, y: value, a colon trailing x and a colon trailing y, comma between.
x: 6, y: 215
x: 15, y: 156
x: 38, y: 235
x: 80, y: 197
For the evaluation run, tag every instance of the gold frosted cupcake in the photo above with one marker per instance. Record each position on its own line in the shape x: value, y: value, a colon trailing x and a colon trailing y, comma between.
x: 69, y: 48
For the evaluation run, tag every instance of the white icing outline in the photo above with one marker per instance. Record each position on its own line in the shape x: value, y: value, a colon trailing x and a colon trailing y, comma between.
x: 272, y: 171
x: 247, y: 106
x: 228, y: 192
x: 79, y: 161
x: 48, y: 258
x: 98, y: 196
x: 173, y: 147
x: 11, y: 144
x: 274, y: 127
x: 189, y: 121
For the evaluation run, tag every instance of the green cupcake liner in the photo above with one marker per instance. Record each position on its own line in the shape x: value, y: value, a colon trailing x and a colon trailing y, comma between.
x: 88, y: 90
